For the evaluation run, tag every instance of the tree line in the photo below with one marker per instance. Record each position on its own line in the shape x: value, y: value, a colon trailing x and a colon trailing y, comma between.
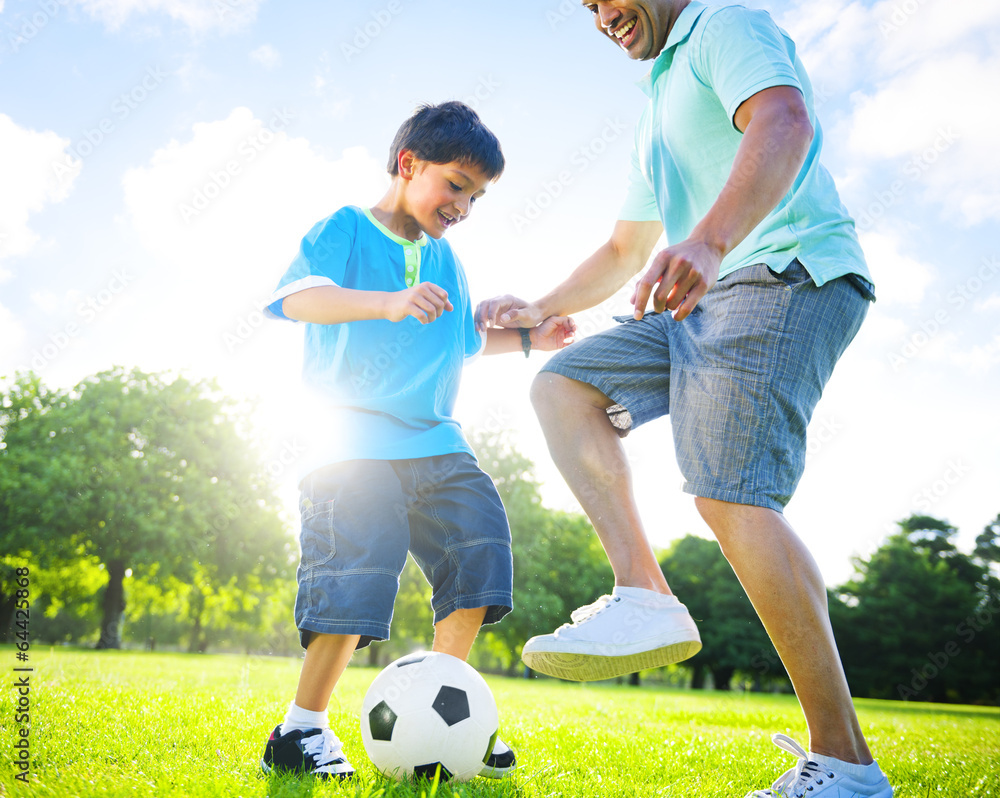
x: 143, y: 510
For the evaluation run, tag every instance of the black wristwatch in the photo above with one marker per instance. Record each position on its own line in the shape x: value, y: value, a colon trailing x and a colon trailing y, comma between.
x: 525, y: 340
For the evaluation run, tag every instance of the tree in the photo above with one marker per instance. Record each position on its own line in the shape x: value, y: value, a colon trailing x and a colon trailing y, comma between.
x: 733, y: 638
x: 33, y: 489
x: 911, y: 625
x: 152, y: 476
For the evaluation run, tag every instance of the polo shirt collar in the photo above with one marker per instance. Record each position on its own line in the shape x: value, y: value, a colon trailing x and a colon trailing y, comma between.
x: 411, y: 250
x: 679, y: 33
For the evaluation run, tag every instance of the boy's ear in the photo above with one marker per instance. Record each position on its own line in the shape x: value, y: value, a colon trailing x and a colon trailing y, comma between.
x: 406, y: 163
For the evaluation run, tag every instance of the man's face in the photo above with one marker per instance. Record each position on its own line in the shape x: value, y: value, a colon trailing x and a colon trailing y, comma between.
x: 639, y: 27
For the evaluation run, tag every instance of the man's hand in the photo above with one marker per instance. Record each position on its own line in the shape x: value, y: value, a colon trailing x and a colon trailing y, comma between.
x: 426, y: 302
x: 507, y: 311
x: 681, y: 275
x: 556, y: 332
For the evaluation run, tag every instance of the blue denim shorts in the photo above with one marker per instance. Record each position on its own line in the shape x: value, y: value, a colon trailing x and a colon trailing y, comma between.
x: 359, y: 519
x: 739, y: 377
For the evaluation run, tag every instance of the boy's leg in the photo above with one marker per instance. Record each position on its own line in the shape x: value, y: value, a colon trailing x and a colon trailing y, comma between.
x: 346, y: 589
x: 304, y: 742
x: 325, y: 662
x: 460, y: 538
x: 455, y: 634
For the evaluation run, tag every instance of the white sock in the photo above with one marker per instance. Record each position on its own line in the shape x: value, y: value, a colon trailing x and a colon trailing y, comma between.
x: 299, y: 718
x: 866, y: 774
x: 645, y: 596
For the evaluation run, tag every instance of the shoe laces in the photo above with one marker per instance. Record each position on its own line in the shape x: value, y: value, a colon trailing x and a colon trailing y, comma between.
x: 585, y: 613
x: 325, y: 748
x: 799, y: 780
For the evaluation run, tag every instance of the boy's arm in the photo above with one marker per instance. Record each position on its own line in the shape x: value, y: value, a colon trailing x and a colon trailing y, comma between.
x: 555, y: 332
x: 331, y: 304
x: 596, y: 279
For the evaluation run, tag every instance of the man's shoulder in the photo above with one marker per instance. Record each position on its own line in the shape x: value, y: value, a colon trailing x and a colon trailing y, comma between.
x: 725, y: 22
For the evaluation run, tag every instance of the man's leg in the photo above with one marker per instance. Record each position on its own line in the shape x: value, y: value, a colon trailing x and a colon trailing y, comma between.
x: 588, y: 452
x: 641, y: 624
x: 786, y: 588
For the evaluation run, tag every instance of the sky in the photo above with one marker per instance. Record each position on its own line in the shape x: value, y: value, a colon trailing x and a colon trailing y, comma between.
x: 160, y: 161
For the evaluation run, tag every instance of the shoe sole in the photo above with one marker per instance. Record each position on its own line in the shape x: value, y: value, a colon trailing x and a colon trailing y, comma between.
x: 267, y: 770
x: 594, y: 668
x: 496, y: 773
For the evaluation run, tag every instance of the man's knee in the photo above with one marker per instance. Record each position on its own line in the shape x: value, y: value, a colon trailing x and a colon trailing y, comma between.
x: 714, y: 512
x: 554, y: 392
x: 544, y: 391
x: 726, y: 519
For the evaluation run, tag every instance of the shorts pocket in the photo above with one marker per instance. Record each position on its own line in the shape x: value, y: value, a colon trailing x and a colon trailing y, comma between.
x: 794, y: 275
x: 317, y: 540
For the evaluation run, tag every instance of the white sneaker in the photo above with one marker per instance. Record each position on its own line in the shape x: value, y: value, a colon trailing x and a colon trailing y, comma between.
x: 616, y: 635
x: 818, y: 780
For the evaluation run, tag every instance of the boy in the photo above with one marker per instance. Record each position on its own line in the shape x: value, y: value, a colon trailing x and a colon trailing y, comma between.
x: 389, y: 325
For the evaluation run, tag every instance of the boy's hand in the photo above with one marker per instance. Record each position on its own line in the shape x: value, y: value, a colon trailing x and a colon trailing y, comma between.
x: 425, y: 302
x: 556, y: 332
x: 507, y: 311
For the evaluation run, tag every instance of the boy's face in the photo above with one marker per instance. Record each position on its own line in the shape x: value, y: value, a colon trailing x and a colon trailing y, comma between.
x: 439, y: 196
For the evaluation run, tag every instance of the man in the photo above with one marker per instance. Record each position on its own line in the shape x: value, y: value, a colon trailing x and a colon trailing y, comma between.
x: 766, y: 285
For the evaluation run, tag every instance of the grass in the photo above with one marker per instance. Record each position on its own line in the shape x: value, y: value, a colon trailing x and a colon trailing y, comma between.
x: 139, y: 724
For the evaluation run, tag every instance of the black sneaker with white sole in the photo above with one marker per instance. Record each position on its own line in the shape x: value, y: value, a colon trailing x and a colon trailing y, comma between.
x: 316, y: 751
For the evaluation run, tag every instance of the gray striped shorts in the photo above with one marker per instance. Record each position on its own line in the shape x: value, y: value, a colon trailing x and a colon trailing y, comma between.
x: 739, y: 377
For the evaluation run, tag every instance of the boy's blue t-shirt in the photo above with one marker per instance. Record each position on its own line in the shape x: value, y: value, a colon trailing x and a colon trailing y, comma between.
x: 380, y: 390
x: 714, y: 59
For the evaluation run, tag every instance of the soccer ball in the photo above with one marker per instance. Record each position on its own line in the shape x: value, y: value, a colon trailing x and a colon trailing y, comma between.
x: 427, y: 711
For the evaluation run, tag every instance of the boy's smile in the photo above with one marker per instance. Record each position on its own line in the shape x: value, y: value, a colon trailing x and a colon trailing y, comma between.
x: 439, y: 196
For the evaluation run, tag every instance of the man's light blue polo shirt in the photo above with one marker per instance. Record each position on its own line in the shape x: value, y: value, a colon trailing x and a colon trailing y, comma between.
x: 686, y: 141
x: 380, y: 390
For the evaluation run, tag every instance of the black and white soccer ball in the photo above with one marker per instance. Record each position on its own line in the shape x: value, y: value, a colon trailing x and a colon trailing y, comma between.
x: 427, y: 711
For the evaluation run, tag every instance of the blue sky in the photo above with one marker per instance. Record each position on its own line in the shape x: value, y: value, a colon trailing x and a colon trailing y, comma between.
x: 161, y: 159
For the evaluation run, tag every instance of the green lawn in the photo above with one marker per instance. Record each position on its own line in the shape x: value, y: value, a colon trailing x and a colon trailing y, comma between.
x: 134, y: 724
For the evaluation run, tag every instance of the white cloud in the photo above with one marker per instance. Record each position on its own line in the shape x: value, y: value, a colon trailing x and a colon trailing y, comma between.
x: 898, y: 277
x: 198, y: 15
x: 909, y: 32
x: 29, y: 181
x: 266, y: 56
x: 980, y: 360
x: 221, y: 215
x: 922, y: 66
x: 11, y: 337
x: 991, y: 303
x: 832, y: 38
x: 937, y: 119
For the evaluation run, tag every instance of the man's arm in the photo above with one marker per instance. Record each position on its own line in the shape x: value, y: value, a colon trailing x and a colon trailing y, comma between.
x: 593, y: 281
x: 777, y: 134
x: 331, y: 304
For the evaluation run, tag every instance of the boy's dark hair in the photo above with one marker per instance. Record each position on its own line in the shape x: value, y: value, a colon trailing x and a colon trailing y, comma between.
x: 448, y: 132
